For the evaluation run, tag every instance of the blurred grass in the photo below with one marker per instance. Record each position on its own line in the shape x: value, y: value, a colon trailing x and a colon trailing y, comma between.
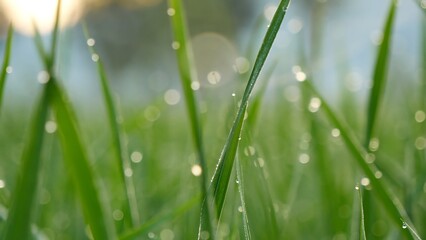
x: 292, y: 178
x: 6, y: 60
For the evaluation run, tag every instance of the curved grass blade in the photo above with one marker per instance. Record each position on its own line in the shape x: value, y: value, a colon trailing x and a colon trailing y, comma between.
x: 6, y: 60
x: 392, y: 205
x: 158, y: 220
x: 23, y: 197
x: 222, y: 174
x: 380, y: 74
x: 117, y: 138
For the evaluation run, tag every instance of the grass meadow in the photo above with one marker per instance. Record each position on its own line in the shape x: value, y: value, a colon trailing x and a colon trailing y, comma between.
x: 252, y: 159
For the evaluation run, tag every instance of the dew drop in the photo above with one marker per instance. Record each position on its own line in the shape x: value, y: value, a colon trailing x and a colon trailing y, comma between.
x: 196, y: 170
x: 304, y: 158
x: 249, y: 151
x: 335, y: 132
x: 378, y: 174
x: 91, y: 42
x: 204, y: 235
x: 420, y: 116
x: 117, y: 215
x: 214, y: 77
x: 420, y: 143
x: 404, y: 225
x: 171, y: 12
x: 136, y: 157
x: 295, y: 25
x: 50, y: 127
x: 356, y: 187
x: 9, y: 69
x: 175, y: 45
x: 195, y: 85
x: 300, y: 76
x: 172, y: 97
x: 128, y: 172
x: 95, y: 57
x: 365, y: 181
x: 374, y: 144
x: 43, y: 77
x: 151, y: 235
x: 314, y: 104
x: 240, y: 209
x: 233, y: 94
x: 2, y: 183
x: 167, y: 234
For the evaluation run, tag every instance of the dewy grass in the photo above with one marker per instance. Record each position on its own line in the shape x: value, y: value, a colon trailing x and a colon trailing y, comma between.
x: 6, y: 59
x: 74, y: 152
x: 223, y: 171
x: 117, y: 137
x: 389, y: 201
x: 380, y: 75
x: 362, y: 234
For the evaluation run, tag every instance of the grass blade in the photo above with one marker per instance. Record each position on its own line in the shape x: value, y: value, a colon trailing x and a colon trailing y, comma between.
x: 362, y: 234
x: 78, y: 164
x: 240, y: 178
x: 150, y: 224
x: 392, y: 205
x: 188, y: 76
x: 117, y: 138
x: 75, y: 156
x: 222, y: 174
x: 24, y: 194
x: 380, y: 74
x: 6, y: 60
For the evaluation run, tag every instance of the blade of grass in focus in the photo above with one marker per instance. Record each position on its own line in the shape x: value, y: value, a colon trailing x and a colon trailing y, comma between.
x: 392, y: 205
x: 25, y: 192
x: 188, y: 76
x: 117, y: 137
x: 6, y: 60
x: 380, y: 74
x: 241, y: 182
x: 74, y: 152
x: 149, y: 225
x: 223, y: 171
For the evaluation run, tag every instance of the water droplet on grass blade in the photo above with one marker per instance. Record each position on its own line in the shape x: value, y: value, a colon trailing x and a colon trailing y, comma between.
x: 172, y: 97
x: 314, y: 104
x: 175, y: 45
x: 249, y: 151
x: 374, y: 144
x: 365, y: 181
x: 167, y: 234
x: 50, y: 127
x: 304, y: 158
x: 240, y: 209
x: 171, y: 12
x: 136, y: 157
x: 335, y: 132
x: 420, y: 143
x: 9, y: 69
x: 2, y: 183
x: 195, y: 85
x: 117, y: 215
x: 128, y: 172
x: 196, y: 170
x: 43, y: 77
x: 95, y: 57
x: 404, y: 225
x: 151, y: 235
x: 420, y: 116
x: 91, y: 42
x: 214, y: 77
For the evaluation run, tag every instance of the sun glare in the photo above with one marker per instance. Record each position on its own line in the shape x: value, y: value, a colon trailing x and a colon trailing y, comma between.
x: 24, y: 13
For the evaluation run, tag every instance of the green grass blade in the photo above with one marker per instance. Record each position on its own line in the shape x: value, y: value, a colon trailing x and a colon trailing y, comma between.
x: 241, y: 186
x: 24, y: 194
x: 78, y: 165
x: 6, y: 60
x: 138, y: 232
x: 392, y: 205
x: 223, y: 171
x: 187, y: 75
x: 362, y: 234
x: 380, y: 74
x: 75, y: 156
x: 123, y: 162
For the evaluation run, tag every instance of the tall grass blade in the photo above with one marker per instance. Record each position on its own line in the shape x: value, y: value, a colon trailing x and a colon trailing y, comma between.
x: 380, y: 74
x: 6, y: 60
x: 120, y: 153
x: 392, y: 205
x: 149, y: 225
x: 25, y: 192
x: 188, y: 76
x: 222, y: 174
x: 78, y: 165
x: 75, y: 156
